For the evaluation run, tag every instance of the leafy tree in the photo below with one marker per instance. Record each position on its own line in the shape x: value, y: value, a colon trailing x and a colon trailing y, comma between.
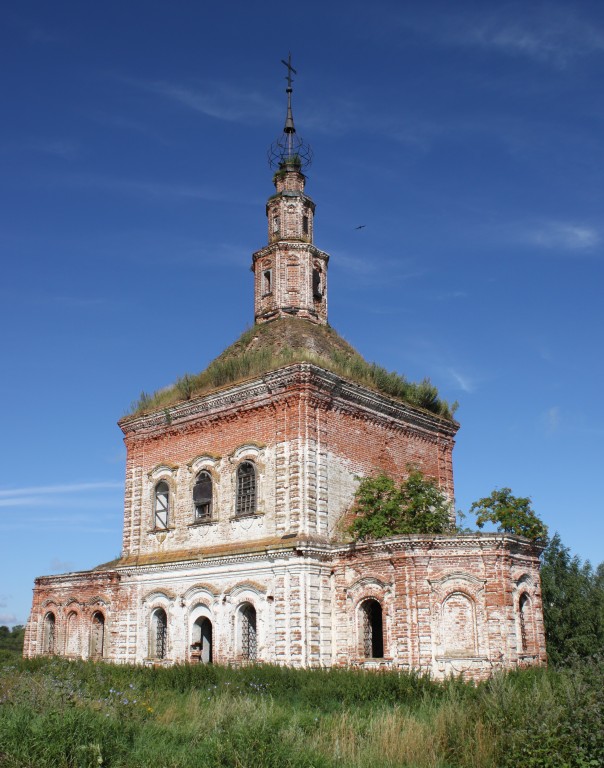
x: 384, y: 508
x: 12, y: 640
x: 573, y: 604
x: 512, y: 514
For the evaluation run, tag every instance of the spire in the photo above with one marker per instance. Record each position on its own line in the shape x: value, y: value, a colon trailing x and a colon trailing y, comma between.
x: 289, y: 120
x: 289, y: 149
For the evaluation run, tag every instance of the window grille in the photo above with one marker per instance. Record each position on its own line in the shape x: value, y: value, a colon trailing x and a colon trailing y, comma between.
x: 202, y: 496
x: 162, y: 503
x: 161, y: 634
x: 248, y: 633
x: 246, y: 489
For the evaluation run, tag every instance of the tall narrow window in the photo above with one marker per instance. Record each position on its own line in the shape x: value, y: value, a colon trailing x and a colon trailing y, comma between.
x: 202, y: 496
x: 49, y: 629
x: 97, y: 636
x: 159, y: 634
x: 249, y: 645
x: 276, y: 223
x: 524, y: 608
x: 162, y: 504
x: 372, y: 630
x: 316, y: 284
x: 267, y: 282
x: 305, y: 224
x: 246, y: 489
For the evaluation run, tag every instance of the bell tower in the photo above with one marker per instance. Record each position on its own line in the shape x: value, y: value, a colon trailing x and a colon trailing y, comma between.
x: 290, y: 273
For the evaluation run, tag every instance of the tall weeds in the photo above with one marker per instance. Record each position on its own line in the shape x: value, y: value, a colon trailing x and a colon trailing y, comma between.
x: 75, y: 714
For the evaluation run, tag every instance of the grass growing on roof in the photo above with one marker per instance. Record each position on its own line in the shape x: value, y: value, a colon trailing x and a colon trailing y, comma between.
x: 269, y: 346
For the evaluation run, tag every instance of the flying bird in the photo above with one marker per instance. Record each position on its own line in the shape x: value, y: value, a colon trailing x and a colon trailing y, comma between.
x: 361, y: 226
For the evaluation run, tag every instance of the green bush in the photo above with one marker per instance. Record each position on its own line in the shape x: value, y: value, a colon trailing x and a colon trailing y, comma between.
x: 384, y: 508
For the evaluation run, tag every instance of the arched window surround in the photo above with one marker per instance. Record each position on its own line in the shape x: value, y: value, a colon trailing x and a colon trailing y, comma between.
x: 465, y: 645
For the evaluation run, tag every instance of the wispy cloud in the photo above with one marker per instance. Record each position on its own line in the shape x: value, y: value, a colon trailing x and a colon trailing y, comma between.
x: 551, y: 419
x: 7, y: 618
x: 548, y: 33
x: 461, y: 380
x: 34, y: 490
x: 214, y: 99
x: 564, y: 236
x: 556, y: 41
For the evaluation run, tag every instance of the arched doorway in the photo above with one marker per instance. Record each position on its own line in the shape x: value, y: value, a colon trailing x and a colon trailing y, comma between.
x: 201, y: 647
x: 97, y: 635
x: 248, y: 635
x: 372, y: 631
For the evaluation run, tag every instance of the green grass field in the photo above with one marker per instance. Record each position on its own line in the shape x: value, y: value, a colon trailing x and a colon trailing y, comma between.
x: 58, y: 713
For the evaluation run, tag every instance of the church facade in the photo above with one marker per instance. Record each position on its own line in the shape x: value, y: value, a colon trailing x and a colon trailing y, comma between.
x: 234, y: 540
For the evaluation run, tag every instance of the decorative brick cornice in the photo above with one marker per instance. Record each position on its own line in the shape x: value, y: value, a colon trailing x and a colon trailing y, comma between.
x: 325, y: 387
x: 289, y: 246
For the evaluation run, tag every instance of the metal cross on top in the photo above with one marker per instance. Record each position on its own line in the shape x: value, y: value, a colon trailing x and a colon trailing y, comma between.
x: 290, y: 69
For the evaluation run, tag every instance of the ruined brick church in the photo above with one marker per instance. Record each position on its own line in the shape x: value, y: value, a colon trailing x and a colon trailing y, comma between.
x: 234, y: 548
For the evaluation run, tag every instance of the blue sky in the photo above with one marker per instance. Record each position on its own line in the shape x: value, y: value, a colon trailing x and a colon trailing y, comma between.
x: 466, y: 137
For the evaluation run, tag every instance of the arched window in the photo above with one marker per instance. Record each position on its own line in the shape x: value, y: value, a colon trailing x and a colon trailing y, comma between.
x: 97, y: 635
x: 202, y: 496
x: 158, y: 640
x: 201, y: 648
x: 162, y: 504
x: 246, y: 489
x: 524, y: 609
x: 372, y: 630
x: 72, y: 635
x: 249, y: 645
x: 49, y: 633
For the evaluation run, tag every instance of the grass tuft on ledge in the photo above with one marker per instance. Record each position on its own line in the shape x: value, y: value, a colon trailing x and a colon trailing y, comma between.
x: 269, y: 346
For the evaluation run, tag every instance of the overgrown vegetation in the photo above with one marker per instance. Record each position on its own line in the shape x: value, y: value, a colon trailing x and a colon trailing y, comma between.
x: 276, y: 344
x: 59, y: 713
x: 382, y: 507
x: 12, y: 639
x: 573, y: 604
x: 511, y: 514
